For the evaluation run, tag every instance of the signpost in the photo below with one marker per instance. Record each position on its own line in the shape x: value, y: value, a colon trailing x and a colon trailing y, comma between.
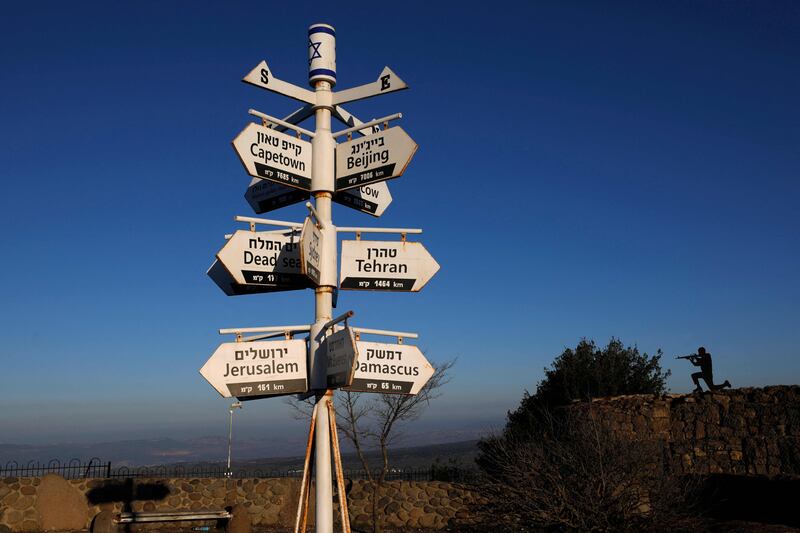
x: 373, y: 158
x: 263, y: 258
x: 386, y: 266
x: 271, y: 155
x: 223, y: 279
x: 259, y: 368
x: 370, y: 199
x: 311, y: 250
x: 390, y: 369
x: 342, y: 354
x: 264, y: 195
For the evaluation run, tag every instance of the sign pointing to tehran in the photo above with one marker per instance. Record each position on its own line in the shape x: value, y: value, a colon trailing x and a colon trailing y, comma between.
x: 370, y: 199
x: 390, y: 368
x: 386, y: 266
x: 373, y: 158
x: 259, y: 368
x: 271, y: 155
x: 263, y: 258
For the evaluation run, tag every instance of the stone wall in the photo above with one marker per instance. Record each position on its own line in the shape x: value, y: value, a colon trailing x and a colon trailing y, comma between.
x: 53, y: 503
x: 752, y: 431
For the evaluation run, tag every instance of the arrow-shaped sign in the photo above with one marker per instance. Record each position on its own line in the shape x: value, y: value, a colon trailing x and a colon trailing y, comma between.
x: 269, y: 154
x: 263, y: 258
x: 311, y: 250
x: 260, y: 368
x: 342, y: 355
x: 387, y: 82
x: 373, y: 158
x: 264, y: 196
x: 225, y: 281
x: 262, y: 77
x: 370, y: 199
x: 386, y: 266
x: 390, y: 368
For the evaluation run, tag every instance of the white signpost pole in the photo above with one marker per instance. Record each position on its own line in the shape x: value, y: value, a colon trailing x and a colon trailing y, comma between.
x: 322, y: 76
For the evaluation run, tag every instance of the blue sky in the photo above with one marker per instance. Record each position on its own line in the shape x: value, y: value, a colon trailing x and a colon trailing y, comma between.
x: 627, y: 169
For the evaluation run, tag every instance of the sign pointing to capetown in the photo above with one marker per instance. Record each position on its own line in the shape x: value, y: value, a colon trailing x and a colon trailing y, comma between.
x: 275, y: 156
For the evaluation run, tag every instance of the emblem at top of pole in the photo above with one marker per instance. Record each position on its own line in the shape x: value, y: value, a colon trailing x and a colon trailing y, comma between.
x: 321, y: 54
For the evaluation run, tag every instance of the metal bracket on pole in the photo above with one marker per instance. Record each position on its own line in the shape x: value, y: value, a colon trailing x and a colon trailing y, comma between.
x: 375, y: 122
x: 314, y: 214
x: 275, y: 120
x: 341, y: 318
x: 252, y: 221
x: 265, y: 329
x: 386, y: 333
x: 358, y: 230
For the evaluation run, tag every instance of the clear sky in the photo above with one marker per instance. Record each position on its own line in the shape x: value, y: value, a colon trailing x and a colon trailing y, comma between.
x: 586, y: 169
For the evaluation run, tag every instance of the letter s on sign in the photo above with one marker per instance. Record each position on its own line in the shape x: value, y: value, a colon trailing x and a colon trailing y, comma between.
x: 264, y: 76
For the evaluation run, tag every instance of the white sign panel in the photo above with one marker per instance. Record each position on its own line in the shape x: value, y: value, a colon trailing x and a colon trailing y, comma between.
x: 264, y: 196
x: 263, y: 258
x: 370, y: 199
x: 311, y: 250
x: 342, y: 355
x: 387, y: 82
x: 220, y: 275
x: 261, y: 76
x: 386, y: 266
x: 274, y: 156
x: 390, y: 368
x: 373, y: 158
x: 260, y: 368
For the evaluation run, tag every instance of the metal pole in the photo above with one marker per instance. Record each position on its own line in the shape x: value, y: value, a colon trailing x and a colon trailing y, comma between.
x: 237, y: 405
x: 322, y: 186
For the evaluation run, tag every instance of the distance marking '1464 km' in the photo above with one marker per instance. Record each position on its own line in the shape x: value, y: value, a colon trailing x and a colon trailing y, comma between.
x: 275, y: 156
x: 260, y: 368
x: 390, y: 368
x: 386, y: 266
x: 373, y: 158
x: 265, y: 196
x: 264, y: 258
x: 370, y: 199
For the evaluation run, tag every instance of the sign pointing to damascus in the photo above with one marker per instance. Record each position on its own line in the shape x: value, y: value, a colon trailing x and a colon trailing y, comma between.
x: 373, y: 158
x: 271, y: 155
x: 386, y: 266
x: 260, y: 368
x: 390, y: 368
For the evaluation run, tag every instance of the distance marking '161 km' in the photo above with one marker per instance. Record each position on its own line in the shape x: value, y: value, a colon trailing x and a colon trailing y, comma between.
x: 271, y: 155
x: 265, y: 196
x: 390, y: 368
x: 265, y: 258
x: 370, y: 199
x: 256, y: 369
x: 386, y: 266
x: 373, y: 158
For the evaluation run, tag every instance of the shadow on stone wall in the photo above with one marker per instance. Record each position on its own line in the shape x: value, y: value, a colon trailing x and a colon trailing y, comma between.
x: 752, y: 499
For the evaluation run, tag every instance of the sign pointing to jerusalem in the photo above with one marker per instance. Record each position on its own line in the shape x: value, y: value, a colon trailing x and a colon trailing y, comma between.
x: 373, y: 158
x: 271, y: 155
x: 370, y: 199
x: 264, y: 196
x: 260, y: 368
x: 263, y: 258
x: 386, y: 266
x: 390, y: 368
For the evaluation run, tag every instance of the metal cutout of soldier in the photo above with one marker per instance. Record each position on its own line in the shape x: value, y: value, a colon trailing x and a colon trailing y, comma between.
x: 703, y: 359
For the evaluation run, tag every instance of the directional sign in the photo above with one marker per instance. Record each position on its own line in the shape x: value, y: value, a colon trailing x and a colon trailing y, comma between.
x: 262, y: 77
x: 370, y: 199
x: 386, y: 266
x: 263, y: 258
x: 311, y: 250
x: 377, y: 157
x: 264, y: 196
x: 387, y: 82
x: 390, y: 368
x: 225, y: 281
x: 260, y: 368
x: 275, y: 156
x: 342, y: 355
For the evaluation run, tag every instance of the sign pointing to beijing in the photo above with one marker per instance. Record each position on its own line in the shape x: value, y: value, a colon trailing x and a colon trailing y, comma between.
x: 370, y: 199
x: 377, y: 157
x: 271, y: 155
x: 260, y: 368
x: 263, y: 258
x: 264, y: 196
x: 390, y: 368
x: 386, y: 266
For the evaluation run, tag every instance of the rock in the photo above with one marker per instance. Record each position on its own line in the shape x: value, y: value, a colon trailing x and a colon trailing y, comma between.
x: 240, y: 521
x: 427, y: 520
x: 103, y: 522
x: 59, y: 505
x: 27, y: 490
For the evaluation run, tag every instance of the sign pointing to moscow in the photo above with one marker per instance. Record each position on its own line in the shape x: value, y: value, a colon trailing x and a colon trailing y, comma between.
x: 370, y: 199
x: 263, y: 258
x: 386, y: 266
x: 377, y: 157
x: 271, y: 155
x: 260, y: 368
x: 390, y: 368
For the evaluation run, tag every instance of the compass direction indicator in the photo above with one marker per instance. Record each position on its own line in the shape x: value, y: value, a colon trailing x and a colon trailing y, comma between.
x: 387, y: 82
x: 261, y: 76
